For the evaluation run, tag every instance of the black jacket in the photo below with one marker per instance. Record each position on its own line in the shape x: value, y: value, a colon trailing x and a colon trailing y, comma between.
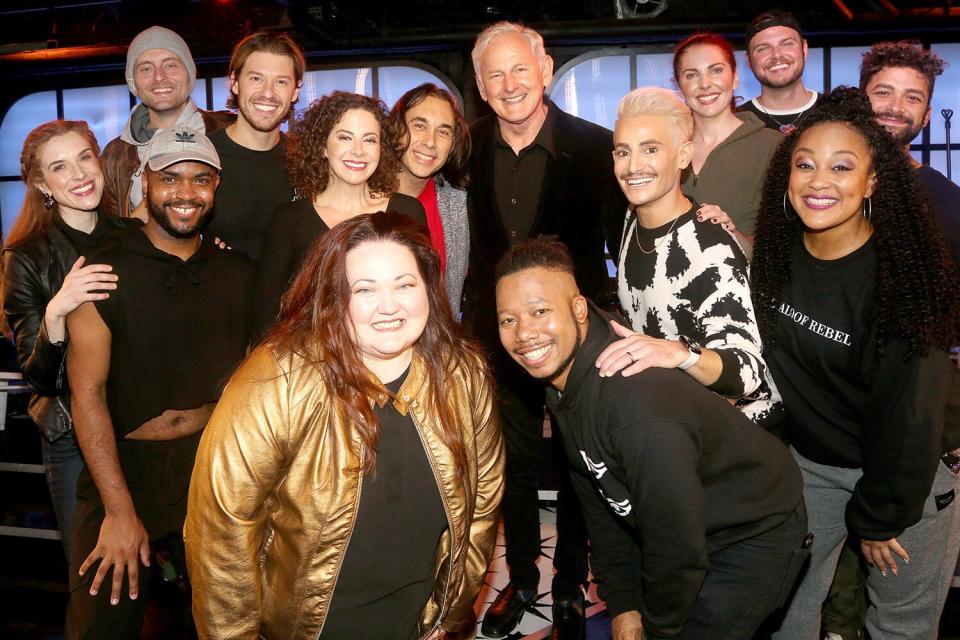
x: 581, y: 202
x: 33, y: 271
x: 668, y: 473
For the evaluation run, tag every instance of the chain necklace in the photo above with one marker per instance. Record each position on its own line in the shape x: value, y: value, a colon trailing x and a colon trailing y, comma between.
x: 786, y: 128
x: 656, y: 245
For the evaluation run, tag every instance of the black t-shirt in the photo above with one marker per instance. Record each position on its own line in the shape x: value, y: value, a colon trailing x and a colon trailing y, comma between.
x: 781, y: 121
x: 293, y: 229
x: 252, y: 185
x: 387, y: 572
x: 944, y: 198
x: 178, y: 328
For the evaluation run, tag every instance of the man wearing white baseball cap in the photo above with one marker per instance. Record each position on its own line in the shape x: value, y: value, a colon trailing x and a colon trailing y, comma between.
x: 161, y: 73
x: 148, y: 364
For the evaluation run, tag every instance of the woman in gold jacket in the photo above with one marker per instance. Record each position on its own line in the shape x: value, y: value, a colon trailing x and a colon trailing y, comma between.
x: 348, y: 481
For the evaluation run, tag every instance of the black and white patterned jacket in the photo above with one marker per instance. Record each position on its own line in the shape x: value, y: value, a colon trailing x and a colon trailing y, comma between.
x: 692, y: 278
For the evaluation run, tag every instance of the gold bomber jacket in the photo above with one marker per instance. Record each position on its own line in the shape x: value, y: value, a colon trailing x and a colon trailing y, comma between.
x: 275, y: 490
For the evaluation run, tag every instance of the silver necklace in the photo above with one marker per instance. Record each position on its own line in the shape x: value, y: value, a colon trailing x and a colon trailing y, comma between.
x: 786, y: 128
x: 656, y: 245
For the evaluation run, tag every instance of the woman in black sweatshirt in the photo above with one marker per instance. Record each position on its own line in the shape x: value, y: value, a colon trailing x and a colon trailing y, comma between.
x: 857, y: 303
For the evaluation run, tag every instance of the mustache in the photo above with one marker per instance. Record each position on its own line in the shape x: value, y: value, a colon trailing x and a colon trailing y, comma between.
x: 199, y: 204
x: 774, y: 62
x: 896, y: 115
x: 627, y: 175
x: 260, y: 98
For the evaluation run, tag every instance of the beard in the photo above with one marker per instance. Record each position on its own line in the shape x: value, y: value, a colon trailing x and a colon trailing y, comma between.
x: 903, y: 135
x: 785, y: 82
x: 257, y: 120
x: 567, y: 361
x: 158, y: 211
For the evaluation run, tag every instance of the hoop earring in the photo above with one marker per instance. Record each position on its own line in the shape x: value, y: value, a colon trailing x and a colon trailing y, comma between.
x: 48, y: 201
x: 867, y: 209
x: 791, y: 217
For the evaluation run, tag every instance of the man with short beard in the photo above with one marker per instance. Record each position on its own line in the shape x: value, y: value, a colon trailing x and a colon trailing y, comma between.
x: 776, y: 53
x: 266, y: 71
x: 146, y: 366
x: 161, y: 73
x: 898, y: 77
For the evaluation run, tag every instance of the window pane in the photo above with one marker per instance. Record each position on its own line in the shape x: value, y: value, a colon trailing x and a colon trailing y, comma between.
x: 317, y: 84
x: 25, y: 114
x: 199, y: 93
x: 593, y: 89
x: 221, y: 91
x: 845, y: 65
x: 749, y: 87
x: 946, y: 95
x: 813, y: 70
x: 395, y: 81
x: 11, y: 197
x: 105, y: 109
x: 655, y: 69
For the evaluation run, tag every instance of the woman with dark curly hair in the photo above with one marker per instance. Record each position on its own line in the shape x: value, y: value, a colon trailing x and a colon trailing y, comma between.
x: 343, y: 156
x: 857, y: 303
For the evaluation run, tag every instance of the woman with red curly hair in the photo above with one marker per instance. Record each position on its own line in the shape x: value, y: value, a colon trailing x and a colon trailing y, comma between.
x: 343, y: 157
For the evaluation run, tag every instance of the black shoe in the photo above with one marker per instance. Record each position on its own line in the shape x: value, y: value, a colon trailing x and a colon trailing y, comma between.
x: 505, y: 612
x: 568, y: 619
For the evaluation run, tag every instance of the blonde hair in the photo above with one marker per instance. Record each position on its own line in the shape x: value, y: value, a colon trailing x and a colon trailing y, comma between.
x: 656, y: 101
x: 534, y: 39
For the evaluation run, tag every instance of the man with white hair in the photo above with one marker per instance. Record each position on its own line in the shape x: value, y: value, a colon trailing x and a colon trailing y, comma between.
x: 535, y: 170
x: 161, y: 73
x: 683, y: 284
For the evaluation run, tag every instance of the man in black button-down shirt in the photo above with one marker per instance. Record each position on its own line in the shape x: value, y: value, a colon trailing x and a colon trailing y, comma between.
x: 535, y: 170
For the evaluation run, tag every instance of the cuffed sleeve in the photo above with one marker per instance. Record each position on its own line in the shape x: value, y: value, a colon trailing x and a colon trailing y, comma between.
x: 902, y: 440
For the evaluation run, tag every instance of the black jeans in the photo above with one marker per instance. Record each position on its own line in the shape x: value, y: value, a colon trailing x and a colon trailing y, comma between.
x: 158, y: 476
x: 748, y: 581
x: 521, y: 404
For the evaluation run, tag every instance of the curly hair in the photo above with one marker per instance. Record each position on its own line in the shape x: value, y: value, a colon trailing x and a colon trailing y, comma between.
x: 312, y: 324
x: 916, y: 284
x: 306, y: 158
x: 901, y: 54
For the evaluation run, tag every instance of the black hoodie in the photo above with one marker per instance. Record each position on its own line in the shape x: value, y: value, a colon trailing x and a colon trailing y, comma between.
x: 179, y: 328
x: 668, y: 473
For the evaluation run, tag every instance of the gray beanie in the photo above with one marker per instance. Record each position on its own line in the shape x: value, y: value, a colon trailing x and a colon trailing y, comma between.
x: 159, y: 38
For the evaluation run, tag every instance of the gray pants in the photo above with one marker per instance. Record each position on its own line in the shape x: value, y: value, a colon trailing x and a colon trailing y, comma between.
x: 907, y: 606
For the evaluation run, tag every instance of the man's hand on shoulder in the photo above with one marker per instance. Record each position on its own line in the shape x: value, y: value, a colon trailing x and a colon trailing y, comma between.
x: 636, y: 352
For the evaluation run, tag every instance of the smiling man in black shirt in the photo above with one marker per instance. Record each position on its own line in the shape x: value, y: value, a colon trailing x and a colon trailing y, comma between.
x: 695, y: 513
x: 146, y: 366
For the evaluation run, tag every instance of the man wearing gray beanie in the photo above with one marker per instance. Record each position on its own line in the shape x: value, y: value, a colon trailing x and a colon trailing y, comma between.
x: 161, y: 73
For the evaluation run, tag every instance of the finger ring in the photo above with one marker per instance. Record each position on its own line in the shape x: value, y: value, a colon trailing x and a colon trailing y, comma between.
x: 630, y: 355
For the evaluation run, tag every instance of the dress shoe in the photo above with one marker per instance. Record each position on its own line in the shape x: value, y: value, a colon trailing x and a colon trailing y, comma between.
x: 568, y: 619
x: 505, y: 612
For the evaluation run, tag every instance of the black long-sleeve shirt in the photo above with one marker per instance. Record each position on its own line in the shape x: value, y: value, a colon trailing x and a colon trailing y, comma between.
x: 847, y: 405
x: 668, y: 471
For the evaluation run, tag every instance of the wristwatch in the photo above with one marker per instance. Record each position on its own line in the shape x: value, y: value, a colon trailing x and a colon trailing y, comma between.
x: 694, y: 349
